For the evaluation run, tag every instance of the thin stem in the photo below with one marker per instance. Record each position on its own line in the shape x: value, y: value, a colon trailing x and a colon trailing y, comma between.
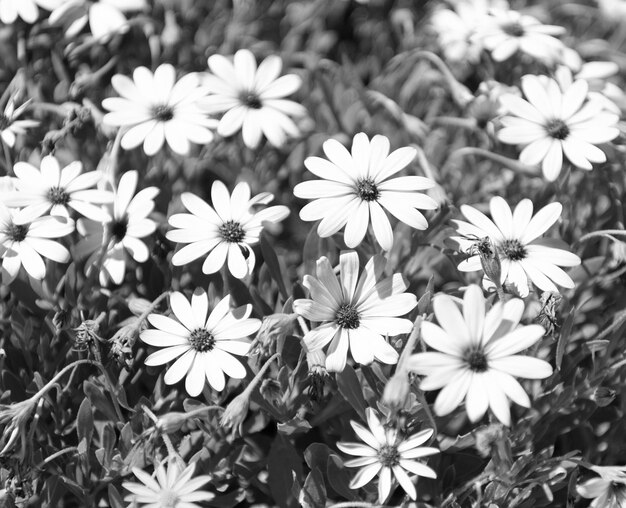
x: 257, y: 378
x: 55, y: 455
x: 607, y: 233
x: 171, y: 451
x: 500, y: 159
x: 354, y: 504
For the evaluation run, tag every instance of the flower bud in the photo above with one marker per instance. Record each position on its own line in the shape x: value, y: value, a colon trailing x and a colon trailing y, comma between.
x: 397, y: 391
x: 235, y: 413
x: 171, y: 422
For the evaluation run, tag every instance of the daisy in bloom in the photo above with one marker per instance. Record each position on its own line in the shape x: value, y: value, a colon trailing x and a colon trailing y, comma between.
x: 596, y: 75
x: 508, y: 31
x: 355, y: 313
x: 524, y: 256
x: 173, y: 487
x: 125, y: 225
x: 387, y: 454
x: 608, y: 491
x: 55, y: 191
x: 10, y: 126
x: 25, y: 9
x: 356, y: 189
x: 252, y: 99
x: 155, y: 108
x: 226, y: 230
x: 105, y: 17
x: 23, y: 243
x: 477, y: 356
x: 552, y: 122
x: 203, y: 346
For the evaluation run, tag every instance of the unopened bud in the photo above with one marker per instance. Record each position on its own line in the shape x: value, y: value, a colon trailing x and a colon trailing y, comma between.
x: 603, y: 396
x: 397, y: 390
x: 235, y: 413
x: 270, y: 390
x: 489, y: 259
x: 171, y: 422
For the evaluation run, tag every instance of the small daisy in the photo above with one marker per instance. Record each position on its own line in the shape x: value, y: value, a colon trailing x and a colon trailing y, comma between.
x: 54, y: 190
x: 253, y: 99
x: 551, y: 123
x: 10, y: 126
x: 105, y: 17
x: 509, y: 31
x: 355, y: 313
x: 388, y: 455
x: 356, y: 189
x: 608, y: 491
x: 203, y: 346
x: 173, y: 487
x: 126, y: 224
x: 155, y: 108
x: 24, y: 242
x: 477, y: 356
x: 523, y: 255
x: 226, y: 230
x: 25, y: 9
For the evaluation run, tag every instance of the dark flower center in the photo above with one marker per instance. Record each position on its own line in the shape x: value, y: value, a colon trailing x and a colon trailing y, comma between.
x: 232, y: 232
x: 5, y: 121
x: 162, y: 113
x: 389, y: 456
x: 557, y: 129
x: 366, y: 189
x: 58, y: 196
x: 251, y: 100
x: 513, y: 250
x: 513, y: 29
x: 201, y: 340
x: 476, y: 360
x: 118, y: 229
x: 17, y: 232
x: 347, y: 317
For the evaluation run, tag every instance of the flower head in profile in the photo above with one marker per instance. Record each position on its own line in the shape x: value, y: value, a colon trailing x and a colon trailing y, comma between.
x: 552, y: 123
x: 10, y: 124
x: 356, y: 189
x: 476, y: 356
x: 524, y: 256
x: 252, y: 99
x: 507, y: 31
x: 608, y: 491
x: 56, y: 191
x: 122, y: 231
x: 173, y: 487
x: 388, y: 455
x: 226, y: 230
x: 155, y: 108
x: 105, y: 17
x: 24, y: 242
x: 355, y: 312
x: 202, y: 343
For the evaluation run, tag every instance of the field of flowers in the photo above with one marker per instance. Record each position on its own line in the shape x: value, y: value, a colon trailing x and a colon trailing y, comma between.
x: 316, y: 253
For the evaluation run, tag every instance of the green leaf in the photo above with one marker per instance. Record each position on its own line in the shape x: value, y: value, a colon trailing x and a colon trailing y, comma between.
x: 350, y: 387
x: 271, y: 260
x: 313, y: 493
x: 84, y: 421
x: 564, y: 337
x: 296, y: 425
x: 99, y: 400
x: 339, y: 478
x: 281, y: 461
x: 115, y: 499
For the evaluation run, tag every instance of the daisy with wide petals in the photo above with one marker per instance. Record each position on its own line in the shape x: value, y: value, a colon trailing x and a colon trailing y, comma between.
x: 357, y: 189
x: 477, y: 356
x: 387, y: 454
x: 608, y: 491
x: 524, y: 256
x: 173, y: 487
x: 226, y: 230
x: 253, y: 99
x: 355, y: 312
x: 122, y: 231
x: 551, y: 123
x: 11, y: 126
x: 23, y: 242
x: 53, y: 190
x: 507, y: 31
x: 202, y: 346
x: 155, y: 108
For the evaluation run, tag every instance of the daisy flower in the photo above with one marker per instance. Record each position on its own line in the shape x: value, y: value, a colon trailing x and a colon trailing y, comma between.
x: 125, y: 225
x: 476, y: 356
x: 608, y: 491
x: 173, y: 487
x: 552, y: 122
x: 54, y: 190
x: 355, y: 313
x: 356, y: 189
x: 154, y: 108
x: 252, y: 99
x: 25, y: 9
x: 203, y: 346
x: 508, y: 31
x: 226, y: 230
x: 10, y: 126
x: 387, y: 454
x: 105, y: 17
x: 23, y: 242
x: 524, y: 256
